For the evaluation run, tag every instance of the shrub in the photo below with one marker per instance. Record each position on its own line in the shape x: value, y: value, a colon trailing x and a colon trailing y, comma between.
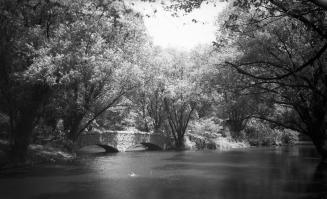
x: 290, y: 137
x: 261, y: 133
x: 209, y: 127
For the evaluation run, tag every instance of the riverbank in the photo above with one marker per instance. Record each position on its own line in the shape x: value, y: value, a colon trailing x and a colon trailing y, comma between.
x: 52, y: 153
x: 36, y: 154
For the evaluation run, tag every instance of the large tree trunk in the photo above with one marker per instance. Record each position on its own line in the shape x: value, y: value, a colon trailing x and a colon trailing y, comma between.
x: 321, y: 147
x: 318, y: 125
x: 177, y: 135
x: 236, y: 126
x: 21, y: 136
x: 180, y: 145
x: 34, y: 96
x: 319, y: 139
x: 74, y: 126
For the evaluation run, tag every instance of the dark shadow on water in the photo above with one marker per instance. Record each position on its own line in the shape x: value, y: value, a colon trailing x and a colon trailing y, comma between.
x: 77, y: 167
x: 318, y: 185
x: 44, y: 172
x: 95, y: 155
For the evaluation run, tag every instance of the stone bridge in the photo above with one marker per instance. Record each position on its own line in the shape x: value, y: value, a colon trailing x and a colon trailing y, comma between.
x: 121, y: 140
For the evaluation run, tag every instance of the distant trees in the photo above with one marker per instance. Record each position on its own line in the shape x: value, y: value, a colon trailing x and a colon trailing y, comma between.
x: 179, y: 108
x: 180, y: 100
x: 148, y: 98
x: 168, y: 97
x: 239, y: 101
x: 226, y: 94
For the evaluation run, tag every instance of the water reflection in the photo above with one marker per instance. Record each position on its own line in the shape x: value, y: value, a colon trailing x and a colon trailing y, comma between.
x: 253, y: 173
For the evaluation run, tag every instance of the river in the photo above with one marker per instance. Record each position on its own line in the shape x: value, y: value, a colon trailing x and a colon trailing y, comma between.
x: 253, y: 173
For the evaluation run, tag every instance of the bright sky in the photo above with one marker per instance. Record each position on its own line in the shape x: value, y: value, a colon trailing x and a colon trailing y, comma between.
x: 180, y: 32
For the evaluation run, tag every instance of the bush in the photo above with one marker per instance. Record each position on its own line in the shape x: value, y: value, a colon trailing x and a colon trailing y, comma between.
x: 290, y: 137
x: 260, y: 133
x: 209, y: 127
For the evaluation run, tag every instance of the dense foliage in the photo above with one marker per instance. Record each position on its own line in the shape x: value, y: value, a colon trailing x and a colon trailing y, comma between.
x: 282, y: 47
x: 67, y: 61
x: 70, y: 66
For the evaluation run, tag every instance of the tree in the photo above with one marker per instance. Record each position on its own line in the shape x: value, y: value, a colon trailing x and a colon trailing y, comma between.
x: 21, y: 97
x: 282, y: 47
x: 181, y: 95
x: 167, y: 99
x: 81, y: 55
x: 148, y: 100
x: 179, y: 110
x: 93, y: 58
x: 239, y: 100
x: 225, y: 94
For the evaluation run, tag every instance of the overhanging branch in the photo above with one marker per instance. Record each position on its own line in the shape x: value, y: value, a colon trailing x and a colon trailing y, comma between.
x: 281, y: 124
x: 116, y: 99
x: 279, y: 77
x: 300, y: 16
x: 321, y: 3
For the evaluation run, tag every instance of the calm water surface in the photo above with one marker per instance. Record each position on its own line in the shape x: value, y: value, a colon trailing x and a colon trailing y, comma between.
x: 255, y: 173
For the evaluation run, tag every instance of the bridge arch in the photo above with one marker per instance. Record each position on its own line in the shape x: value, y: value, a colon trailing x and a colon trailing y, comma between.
x: 108, y: 148
x: 98, y: 148
x: 144, y: 146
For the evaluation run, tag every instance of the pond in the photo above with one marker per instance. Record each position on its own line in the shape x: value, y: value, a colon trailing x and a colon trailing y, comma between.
x: 254, y: 173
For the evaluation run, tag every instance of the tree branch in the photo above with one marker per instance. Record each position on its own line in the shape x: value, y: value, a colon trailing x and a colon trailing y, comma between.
x: 321, y: 3
x: 309, y: 62
x: 100, y: 112
x: 299, y: 17
x: 279, y: 124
